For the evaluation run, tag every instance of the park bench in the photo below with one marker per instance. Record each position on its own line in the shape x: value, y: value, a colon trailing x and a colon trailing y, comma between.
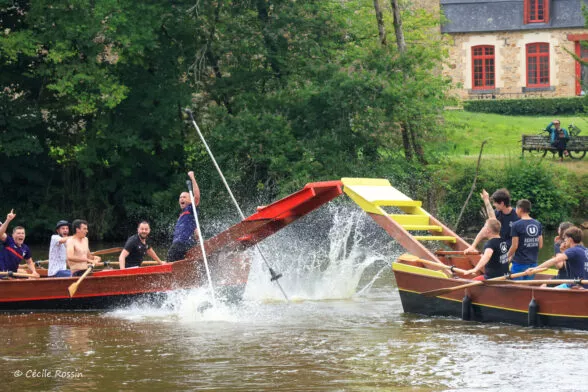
x: 577, y: 145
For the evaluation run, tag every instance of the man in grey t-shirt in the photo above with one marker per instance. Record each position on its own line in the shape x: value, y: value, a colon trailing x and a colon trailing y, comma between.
x: 57, y: 251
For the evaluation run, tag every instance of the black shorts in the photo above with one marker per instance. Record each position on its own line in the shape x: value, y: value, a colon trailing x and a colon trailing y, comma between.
x: 177, y: 250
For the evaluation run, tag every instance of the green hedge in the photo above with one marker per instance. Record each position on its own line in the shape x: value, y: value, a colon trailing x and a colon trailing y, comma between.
x: 528, y: 106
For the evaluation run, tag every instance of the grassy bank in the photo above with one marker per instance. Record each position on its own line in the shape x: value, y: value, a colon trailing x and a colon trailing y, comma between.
x: 466, y: 131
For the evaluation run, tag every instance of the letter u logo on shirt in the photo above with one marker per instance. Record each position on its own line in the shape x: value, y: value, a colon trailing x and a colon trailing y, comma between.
x: 532, y: 230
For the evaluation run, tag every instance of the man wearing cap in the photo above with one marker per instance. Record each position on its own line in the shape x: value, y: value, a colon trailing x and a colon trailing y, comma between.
x: 57, y: 251
x: 558, y: 138
x: 15, y: 250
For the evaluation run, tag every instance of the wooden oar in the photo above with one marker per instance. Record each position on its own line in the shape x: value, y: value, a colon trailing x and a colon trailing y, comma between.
x: 407, y: 257
x: 500, y: 279
x: 97, y: 253
x: 544, y: 281
x: 74, y: 286
x: 107, y: 251
x: 117, y: 264
x: 455, y: 252
x: 17, y: 274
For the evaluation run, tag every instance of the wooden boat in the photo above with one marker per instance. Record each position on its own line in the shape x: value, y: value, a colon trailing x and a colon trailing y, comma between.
x: 229, y: 268
x: 424, y: 269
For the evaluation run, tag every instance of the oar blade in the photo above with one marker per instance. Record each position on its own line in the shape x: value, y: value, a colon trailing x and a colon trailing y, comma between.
x: 72, y: 289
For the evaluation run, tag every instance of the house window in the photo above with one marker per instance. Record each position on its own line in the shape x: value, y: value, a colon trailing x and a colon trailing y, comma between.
x: 582, y: 67
x: 483, y: 70
x: 538, y: 65
x: 536, y: 11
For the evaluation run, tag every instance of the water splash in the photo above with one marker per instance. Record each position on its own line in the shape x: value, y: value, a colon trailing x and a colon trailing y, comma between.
x: 316, y: 266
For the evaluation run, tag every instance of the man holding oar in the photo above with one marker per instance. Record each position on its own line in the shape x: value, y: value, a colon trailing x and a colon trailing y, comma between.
x: 575, y: 257
x: 185, y: 232
x: 494, y: 258
x: 15, y: 250
x: 136, y: 247
x: 504, y: 213
x: 78, y: 250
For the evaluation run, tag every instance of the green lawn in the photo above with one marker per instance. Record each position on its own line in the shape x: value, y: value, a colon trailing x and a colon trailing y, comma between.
x: 467, y: 130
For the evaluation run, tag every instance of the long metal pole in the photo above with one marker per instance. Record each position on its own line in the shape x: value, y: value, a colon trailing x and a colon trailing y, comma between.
x: 275, y: 276
x: 201, y: 240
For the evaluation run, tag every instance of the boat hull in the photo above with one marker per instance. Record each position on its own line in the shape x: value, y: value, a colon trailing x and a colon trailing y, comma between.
x: 494, y: 303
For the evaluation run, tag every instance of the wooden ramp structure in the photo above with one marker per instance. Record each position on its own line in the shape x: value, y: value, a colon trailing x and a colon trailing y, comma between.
x: 405, y: 220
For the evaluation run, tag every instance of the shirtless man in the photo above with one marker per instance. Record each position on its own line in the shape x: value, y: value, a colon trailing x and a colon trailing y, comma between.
x: 78, y: 250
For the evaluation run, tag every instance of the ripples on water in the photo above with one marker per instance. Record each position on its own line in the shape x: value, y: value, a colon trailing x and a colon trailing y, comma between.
x: 344, y: 330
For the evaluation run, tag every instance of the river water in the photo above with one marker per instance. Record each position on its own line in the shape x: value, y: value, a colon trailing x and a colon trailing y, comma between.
x: 343, y: 330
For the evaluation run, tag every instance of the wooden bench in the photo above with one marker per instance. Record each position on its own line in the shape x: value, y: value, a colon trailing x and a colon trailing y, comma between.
x: 577, y: 145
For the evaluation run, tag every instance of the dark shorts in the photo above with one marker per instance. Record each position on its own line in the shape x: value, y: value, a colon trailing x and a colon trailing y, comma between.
x: 79, y: 273
x: 177, y: 250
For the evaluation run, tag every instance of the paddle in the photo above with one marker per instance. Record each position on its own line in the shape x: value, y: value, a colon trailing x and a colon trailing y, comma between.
x: 455, y: 252
x: 545, y: 281
x: 16, y: 274
x: 97, y: 253
x: 437, y: 292
x: 107, y: 251
x: 74, y: 286
x: 432, y: 263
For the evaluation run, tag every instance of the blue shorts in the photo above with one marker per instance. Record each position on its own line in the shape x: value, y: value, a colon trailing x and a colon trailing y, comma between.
x: 62, y: 274
x: 516, y: 268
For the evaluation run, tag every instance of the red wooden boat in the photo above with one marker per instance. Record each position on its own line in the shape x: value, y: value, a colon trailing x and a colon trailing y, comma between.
x: 229, y: 268
x: 425, y: 269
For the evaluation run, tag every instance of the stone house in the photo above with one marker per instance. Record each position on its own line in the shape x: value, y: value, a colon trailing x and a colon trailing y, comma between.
x: 516, y: 48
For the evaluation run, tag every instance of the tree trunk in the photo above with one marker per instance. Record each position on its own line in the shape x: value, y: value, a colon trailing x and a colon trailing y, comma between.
x: 418, y: 149
x: 380, y: 20
x: 406, y: 142
x: 398, y: 26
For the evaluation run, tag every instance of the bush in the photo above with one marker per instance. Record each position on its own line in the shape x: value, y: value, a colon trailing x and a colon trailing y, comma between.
x: 529, y: 106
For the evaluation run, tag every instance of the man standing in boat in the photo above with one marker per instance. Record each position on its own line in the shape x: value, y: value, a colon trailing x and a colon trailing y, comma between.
x: 57, y: 251
x: 78, y: 250
x: 185, y: 232
x: 505, y: 214
x: 527, y: 239
x: 15, y: 250
x: 136, y: 247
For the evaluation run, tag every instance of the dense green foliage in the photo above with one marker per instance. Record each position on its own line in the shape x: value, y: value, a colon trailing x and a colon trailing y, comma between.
x: 286, y: 92
x: 528, y: 106
x: 556, y: 194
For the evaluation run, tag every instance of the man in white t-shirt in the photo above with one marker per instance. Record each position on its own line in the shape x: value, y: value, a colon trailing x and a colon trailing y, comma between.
x: 57, y: 251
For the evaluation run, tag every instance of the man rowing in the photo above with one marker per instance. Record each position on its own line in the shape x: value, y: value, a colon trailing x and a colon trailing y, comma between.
x: 78, y: 250
x: 185, y: 232
x: 575, y: 257
x: 136, y: 247
x: 15, y: 250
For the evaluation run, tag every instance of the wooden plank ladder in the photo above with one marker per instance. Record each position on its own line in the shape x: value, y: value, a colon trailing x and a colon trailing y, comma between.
x: 400, y: 216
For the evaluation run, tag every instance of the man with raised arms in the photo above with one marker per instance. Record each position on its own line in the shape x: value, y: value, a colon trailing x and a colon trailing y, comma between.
x: 136, y: 247
x: 15, y: 250
x: 185, y: 232
x: 78, y: 250
x: 505, y: 214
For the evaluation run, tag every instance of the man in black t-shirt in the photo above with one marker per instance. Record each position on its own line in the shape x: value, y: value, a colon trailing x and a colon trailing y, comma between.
x: 495, y: 255
x: 503, y: 211
x: 136, y: 247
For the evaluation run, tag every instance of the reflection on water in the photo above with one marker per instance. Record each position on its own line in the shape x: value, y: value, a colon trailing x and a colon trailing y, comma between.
x: 344, y: 330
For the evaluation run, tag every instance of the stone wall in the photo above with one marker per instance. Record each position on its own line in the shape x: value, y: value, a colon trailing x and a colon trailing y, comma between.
x: 510, y: 63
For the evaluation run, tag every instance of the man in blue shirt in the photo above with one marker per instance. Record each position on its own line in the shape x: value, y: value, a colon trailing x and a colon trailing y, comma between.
x: 575, y: 256
x: 527, y: 239
x: 505, y: 214
x: 558, y: 138
x: 15, y: 250
x: 185, y: 232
